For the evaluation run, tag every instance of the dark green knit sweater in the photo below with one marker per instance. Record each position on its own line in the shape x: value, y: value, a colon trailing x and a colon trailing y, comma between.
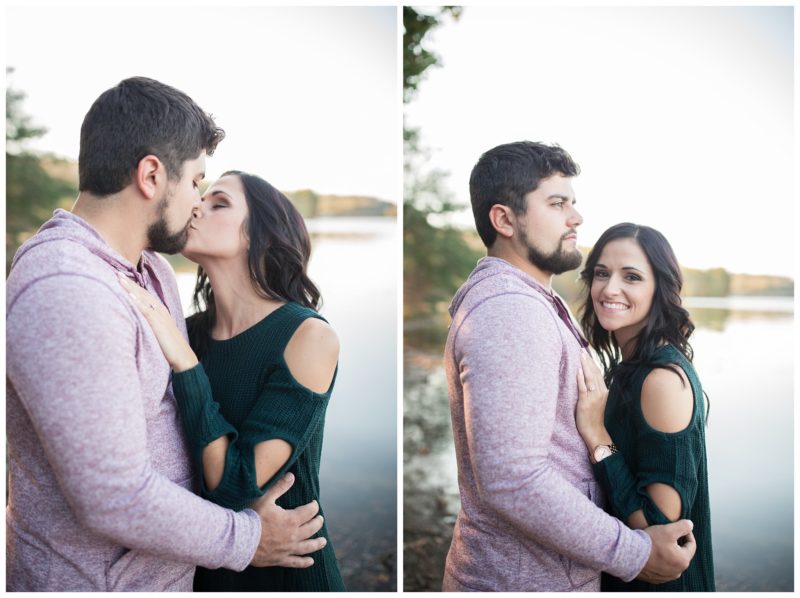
x: 243, y: 388
x: 646, y: 456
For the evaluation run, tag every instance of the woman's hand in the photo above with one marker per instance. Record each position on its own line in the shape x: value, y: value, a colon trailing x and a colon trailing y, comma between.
x: 177, y: 351
x: 591, y: 408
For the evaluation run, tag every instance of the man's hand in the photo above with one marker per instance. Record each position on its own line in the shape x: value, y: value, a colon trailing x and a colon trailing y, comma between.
x: 285, y: 534
x: 667, y: 559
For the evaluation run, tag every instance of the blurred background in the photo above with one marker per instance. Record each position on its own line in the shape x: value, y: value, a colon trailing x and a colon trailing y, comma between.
x: 681, y: 119
x: 308, y: 99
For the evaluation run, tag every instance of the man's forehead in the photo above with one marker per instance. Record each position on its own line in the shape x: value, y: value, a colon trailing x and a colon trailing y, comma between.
x: 555, y: 185
x: 197, y: 166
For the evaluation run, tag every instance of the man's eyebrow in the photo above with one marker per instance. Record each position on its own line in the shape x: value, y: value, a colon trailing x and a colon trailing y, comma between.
x: 564, y: 197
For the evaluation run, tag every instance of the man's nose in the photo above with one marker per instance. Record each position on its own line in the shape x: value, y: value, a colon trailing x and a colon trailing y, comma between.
x: 575, y: 218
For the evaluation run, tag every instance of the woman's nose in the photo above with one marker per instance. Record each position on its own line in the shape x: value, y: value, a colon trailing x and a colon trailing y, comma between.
x: 612, y: 286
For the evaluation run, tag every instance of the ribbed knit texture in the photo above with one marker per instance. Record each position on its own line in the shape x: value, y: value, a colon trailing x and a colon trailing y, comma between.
x: 647, y: 456
x: 244, y: 389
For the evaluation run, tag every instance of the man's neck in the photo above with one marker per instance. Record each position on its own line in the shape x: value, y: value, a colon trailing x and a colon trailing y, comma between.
x: 114, y: 220
x: 506, y: 253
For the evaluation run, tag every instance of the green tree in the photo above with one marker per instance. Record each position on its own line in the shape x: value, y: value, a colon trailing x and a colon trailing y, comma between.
x: 436, y: 259
x: 31, y: 193
x: 416, y: 57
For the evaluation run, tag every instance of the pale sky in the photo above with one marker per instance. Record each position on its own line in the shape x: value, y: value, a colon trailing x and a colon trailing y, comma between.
x: 680, y: 118
x: 308, y: 97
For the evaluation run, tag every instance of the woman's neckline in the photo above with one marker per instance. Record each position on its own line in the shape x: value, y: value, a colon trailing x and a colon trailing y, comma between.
x: 250, y: 328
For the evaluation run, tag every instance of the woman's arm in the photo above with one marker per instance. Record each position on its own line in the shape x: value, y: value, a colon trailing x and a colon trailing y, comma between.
x: 665, y: 497
x: 667, y: 405
x: 176, y: 349
x: 311, y: 356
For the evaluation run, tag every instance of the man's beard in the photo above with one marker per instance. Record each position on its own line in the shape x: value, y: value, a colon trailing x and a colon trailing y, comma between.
x: 557, y: 262
x: 160, y: 238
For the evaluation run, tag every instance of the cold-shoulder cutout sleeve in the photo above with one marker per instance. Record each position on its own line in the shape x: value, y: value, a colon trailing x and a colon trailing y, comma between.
x: 660, y: 456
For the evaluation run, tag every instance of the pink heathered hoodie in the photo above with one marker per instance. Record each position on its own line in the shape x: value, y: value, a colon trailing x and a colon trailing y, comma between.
x: 531, y: 514
x: 100, y: 480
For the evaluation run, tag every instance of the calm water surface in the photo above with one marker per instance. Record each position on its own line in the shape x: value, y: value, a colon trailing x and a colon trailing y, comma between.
x: 354, y: 263
x: 744, y: 358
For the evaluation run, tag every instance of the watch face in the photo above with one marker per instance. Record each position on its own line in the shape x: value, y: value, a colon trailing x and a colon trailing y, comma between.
x: 601, y: 452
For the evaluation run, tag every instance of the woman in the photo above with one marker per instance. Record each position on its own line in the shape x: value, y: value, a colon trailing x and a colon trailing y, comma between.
x: 648, y: 443
x: 253, y: 408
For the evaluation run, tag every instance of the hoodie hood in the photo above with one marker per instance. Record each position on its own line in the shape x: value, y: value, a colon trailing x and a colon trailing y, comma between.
x: 493, y: 266
x: 66, y: 226
x: 489, y: 267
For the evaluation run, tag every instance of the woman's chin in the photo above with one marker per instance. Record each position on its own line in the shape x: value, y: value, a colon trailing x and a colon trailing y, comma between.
x: 606, y: 325
x: 189, y: 255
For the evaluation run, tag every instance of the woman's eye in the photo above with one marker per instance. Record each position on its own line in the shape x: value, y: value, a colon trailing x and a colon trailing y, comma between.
x: 600, y: 274
x: 633, y: 277
x: 218, y: 205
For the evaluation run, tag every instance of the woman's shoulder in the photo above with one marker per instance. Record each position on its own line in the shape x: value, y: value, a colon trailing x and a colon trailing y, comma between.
x: 667, y: 398
x: 312, y: 353
x: 314, y: 338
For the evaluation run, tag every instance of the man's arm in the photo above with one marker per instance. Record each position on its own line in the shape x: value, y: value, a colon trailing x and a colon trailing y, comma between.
x: 509, y: 355
x: 71, y: 358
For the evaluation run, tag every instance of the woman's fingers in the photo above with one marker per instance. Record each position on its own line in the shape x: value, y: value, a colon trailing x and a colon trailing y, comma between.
x: 141, y: 297
x: 581, y: 382
x: 588, y: 371
x: 594, y: 377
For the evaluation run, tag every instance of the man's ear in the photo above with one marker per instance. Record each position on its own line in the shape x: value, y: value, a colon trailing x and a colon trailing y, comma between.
x: 150, y: 176
x: 502, y: 219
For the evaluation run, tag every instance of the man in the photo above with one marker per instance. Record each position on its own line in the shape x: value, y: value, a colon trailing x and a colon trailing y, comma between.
x: 531, y: 516
x: 100, y: 481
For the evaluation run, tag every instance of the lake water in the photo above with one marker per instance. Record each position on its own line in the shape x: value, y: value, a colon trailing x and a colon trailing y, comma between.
x: 354, y: 261
x: 744, y: 349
